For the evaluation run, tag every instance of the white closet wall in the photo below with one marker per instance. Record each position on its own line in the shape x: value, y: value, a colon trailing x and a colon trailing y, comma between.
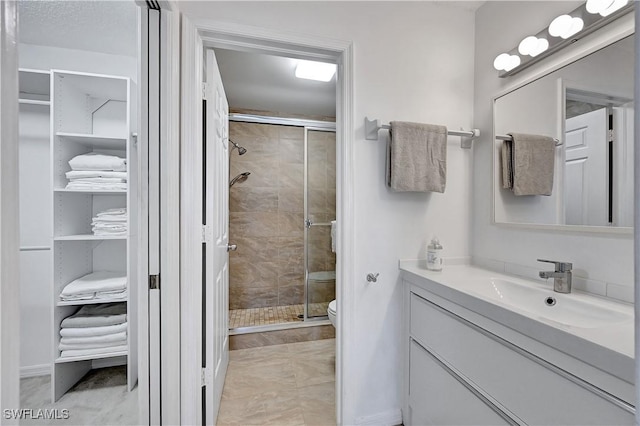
x: 35, y: 224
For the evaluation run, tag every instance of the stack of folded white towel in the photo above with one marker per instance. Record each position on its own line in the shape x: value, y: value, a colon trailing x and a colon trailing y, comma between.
x: 94, y: 330
x: 97, y: 285
x: 93, y: 171
x: 112, y: 222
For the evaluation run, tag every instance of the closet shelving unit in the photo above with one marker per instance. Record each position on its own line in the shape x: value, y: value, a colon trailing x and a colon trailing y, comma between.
x: 90, y: 113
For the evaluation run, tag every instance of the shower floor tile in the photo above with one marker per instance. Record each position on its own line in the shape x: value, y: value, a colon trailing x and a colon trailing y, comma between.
x: 273, y: 314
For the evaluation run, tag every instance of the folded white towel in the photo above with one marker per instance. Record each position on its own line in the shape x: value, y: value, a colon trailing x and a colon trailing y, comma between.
x: 93, y: 186
x: 95, y: 161
x: 109, y: 219
x: 119, y: 211
x: 97, y: 315
x: 99, y: 180
x: 96, y: 282
x: 84, y: 174
x: 111, y: 295
x: 67, y: 347
x: 96, y: 351
x: 115, y: 337
x: 93, y: 331
x: 334, y: 228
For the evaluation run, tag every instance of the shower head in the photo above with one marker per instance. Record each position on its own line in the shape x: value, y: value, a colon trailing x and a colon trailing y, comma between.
x: 240, y: 178
x: 241, y: 150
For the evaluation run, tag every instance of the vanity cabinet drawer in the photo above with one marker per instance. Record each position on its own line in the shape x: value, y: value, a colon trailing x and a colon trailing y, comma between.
x: 436, y: 397
x: 532, y: 392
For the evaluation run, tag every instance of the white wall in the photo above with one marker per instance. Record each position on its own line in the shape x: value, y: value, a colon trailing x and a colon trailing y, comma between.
x: 413, y: 62
x: 46, y: 57
x: 604, y: 262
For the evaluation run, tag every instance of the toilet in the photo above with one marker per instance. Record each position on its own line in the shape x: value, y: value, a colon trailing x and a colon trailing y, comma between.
x: 331, y: 311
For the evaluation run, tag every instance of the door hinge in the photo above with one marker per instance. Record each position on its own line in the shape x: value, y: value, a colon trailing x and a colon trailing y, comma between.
x: 611, y: 135
x: 207, y: 233
x: 154, y: 282
x: 204, y: 91
x: 206, y: 378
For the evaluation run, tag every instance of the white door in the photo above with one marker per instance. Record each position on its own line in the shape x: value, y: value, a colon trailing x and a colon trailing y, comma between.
x: 586, y: 174
x: 216, y: 202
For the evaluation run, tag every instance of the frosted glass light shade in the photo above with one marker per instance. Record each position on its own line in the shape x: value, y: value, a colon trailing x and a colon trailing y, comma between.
x: 605, y: 7
x: 506, y: 62
x: 312, y: 70
x: 565, y: 26
x: 533, y: 46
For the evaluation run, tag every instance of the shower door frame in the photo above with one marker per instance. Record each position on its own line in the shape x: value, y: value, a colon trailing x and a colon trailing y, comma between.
x: 307, y: 222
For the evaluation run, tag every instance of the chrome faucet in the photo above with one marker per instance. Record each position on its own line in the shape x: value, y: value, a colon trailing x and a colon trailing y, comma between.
x: 561, y: 276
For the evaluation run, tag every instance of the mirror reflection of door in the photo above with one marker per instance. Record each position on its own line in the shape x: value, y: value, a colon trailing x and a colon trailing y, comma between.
x: 586, y: 199
x: 597, y: 146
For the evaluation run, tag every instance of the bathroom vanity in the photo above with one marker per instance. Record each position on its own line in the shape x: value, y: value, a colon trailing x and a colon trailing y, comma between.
x: 486, y: 348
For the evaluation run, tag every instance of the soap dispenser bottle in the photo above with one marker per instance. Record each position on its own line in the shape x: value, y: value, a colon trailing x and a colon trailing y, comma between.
x: 434, y: 255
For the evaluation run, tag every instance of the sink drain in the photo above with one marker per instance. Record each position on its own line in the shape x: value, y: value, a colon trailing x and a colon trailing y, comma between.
x: 550, y: 301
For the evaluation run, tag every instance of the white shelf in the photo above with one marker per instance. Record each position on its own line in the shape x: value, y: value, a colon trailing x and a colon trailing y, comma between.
x: 89, y: 237
x: 92, y: 191
x: 34, y: 102
x: 62, y: 360
x: 89, y: 302
x: 94, y: 141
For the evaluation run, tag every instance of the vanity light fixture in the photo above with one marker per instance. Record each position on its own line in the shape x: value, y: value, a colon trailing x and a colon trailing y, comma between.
x: 563, y: 31
x: 312, y: 70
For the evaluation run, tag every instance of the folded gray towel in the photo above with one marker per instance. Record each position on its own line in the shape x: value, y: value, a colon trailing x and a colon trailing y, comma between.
x: 533, y: 164
x: 417, y: 157
x: 97, y: 315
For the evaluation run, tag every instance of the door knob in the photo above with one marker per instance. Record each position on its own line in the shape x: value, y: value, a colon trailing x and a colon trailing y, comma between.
x: 232, y: 247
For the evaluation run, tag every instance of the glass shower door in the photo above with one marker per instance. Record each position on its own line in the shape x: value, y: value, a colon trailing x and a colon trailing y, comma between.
x: 320, y: 210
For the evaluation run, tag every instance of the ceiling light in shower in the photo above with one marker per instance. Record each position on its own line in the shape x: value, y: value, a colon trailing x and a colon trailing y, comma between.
x: 311, y: 70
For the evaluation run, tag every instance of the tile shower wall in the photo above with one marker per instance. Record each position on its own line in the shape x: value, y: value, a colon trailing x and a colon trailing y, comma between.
x: 266, y: 214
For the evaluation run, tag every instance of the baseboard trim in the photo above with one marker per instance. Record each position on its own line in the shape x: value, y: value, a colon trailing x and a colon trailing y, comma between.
x: 35, y: 371
x: 388, y: 418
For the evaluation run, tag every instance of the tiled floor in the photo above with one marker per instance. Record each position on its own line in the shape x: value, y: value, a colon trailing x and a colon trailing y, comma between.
x: 100, y: 398
x: 273, y: 314
x: 292, y: 384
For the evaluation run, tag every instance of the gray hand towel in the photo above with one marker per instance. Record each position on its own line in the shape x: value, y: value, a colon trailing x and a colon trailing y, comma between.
x: 417, y: 157
x: 507, y: 164
x: 533, y: 164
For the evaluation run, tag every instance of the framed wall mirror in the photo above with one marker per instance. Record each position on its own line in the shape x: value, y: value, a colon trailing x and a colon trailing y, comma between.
x: 587, y: 106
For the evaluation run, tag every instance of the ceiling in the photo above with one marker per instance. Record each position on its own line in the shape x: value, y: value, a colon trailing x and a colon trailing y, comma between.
x: 97, y: 26
x: 267, y: 83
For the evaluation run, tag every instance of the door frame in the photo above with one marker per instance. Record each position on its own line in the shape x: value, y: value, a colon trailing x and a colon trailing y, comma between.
x: 9, y: 213
x: 196, y: 36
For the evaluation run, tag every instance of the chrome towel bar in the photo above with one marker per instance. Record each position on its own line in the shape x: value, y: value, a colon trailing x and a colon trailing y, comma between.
x: 371, y: 128
x: 509, y: 138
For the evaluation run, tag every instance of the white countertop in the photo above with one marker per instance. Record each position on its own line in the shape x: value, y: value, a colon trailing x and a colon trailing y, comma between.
x: 609, y: 347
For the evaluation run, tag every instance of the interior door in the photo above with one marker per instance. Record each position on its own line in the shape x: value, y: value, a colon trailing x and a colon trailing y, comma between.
x: 216, y: 218
x: 586, y: 183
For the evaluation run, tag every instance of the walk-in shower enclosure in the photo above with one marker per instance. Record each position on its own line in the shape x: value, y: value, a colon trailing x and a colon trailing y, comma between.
x: 280, y: 219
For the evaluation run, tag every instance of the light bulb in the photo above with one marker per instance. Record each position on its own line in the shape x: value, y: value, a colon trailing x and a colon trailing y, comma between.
x: 565, y: 26
x: 506, y: 62
x: 533, y: 46
x: 605, y: 7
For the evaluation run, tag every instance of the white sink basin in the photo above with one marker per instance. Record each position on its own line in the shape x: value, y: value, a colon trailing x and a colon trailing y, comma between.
x: 568, y: 310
